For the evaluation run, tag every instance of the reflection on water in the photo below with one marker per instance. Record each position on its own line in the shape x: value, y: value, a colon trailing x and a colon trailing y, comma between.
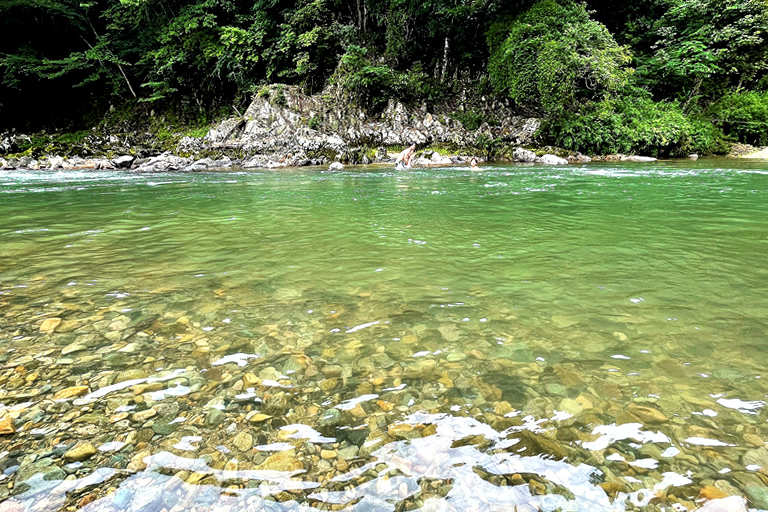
x: 519, y: 338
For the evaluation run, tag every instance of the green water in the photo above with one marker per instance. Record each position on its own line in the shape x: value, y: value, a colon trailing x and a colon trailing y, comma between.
x: 576, y: 338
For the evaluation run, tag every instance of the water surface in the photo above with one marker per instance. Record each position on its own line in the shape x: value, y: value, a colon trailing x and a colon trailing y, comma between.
x: 516, y: 338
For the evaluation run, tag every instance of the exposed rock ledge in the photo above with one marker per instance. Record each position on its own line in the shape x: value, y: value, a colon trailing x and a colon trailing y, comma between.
x: 291, y: 125
x: 285, y: 127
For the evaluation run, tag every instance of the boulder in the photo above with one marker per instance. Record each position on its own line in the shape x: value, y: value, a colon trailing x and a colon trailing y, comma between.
x: 579, y: 158
x: 55, y: 162
x: 123, y: 162
x: 552, y: 160
x: 199, y: 165
x: 336, y: 166
x: 637, y: 158
x: 524, y: 155
x: 164, y: 163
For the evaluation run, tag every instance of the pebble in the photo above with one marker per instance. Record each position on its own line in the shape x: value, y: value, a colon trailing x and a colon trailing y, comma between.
x: 71, y: 392
x: 214, y: 417
x: 258, y: 417
x: 49, y: 325
x: 6, y: 425
x: 250, y: 380
x: 756, y: 457
x: 243, y: 441
x: 647, y: 414
x: 282, y: 461
x: 71, y: 349
x: 81, y: 451
x: 142, y: 416
x: 327, y: 454
x: 508, y: 380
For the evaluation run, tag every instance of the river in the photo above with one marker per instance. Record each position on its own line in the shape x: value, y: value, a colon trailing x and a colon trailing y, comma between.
x: 518, y: 338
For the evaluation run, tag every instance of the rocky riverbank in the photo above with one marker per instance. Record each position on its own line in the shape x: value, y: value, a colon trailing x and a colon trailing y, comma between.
x: 283, y: 127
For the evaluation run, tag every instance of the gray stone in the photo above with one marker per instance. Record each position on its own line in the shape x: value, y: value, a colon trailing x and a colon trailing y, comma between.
x: 524, y: 155
x: 330, y: 418
x: 756, y: 457
x: 123, y: 162
x: 637, y: 158
x: 44, y: 466
x: 348, y: 453
x: 552, y: 160
x: 164, y: 426
x: 214, y: 418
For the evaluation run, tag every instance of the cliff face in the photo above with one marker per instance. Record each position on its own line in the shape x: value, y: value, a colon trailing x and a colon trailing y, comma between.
x: 284, y: 127
x: 289, y: 122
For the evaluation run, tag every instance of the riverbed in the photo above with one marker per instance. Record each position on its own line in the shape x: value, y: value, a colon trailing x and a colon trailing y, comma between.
x: 522, y: 337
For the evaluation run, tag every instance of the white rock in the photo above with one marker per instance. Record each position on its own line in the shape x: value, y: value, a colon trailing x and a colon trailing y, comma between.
x: 55, y: 162
x: 336, y: 166
x: 553, y: 160
x: 637, y: 158
x: 122, y: 162
x: 524, y: 155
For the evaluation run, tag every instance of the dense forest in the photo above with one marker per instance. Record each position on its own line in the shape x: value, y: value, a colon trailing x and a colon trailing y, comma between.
x: 656, y: 76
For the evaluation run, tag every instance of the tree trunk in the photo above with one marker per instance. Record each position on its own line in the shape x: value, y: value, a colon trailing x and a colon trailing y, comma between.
x: 694, y: 92
x: 445, y: 61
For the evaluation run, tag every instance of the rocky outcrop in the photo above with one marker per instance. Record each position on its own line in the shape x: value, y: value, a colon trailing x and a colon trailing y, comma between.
x: 283, y: 127
x: 288, y: 123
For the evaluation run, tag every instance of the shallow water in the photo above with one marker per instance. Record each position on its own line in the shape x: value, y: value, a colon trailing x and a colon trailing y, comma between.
x: 517, y: 338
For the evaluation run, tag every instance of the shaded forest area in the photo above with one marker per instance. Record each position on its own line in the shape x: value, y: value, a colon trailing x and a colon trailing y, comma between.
x: 662, y: 77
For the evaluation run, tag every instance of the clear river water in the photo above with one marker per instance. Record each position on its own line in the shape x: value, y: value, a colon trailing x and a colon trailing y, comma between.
x: 518, y: 338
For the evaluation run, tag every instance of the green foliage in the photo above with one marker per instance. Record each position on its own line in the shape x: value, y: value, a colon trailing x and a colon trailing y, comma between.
x: 372, y: 84
x: 279, y: 96
x: 472, y: 120
x: 488, y: 145
x: 74, y: 59
x: 73, y: 137
x: 555, y: 56
x: 315, y: 122
x: 743, y: 116
x: 632, y: 124
x: 703, y: 45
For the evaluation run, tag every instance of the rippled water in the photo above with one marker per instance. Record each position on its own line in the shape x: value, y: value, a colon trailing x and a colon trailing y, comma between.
x: 518, y: 338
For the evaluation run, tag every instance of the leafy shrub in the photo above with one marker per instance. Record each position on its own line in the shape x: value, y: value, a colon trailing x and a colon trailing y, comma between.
x: 372, y: 83
x: 279, y: 97
x: 743, y: 116
x: 314, y: 122
x: 554, y: 55
x: 631, y: 124
x: 263, y: 92
x: 472, y: 120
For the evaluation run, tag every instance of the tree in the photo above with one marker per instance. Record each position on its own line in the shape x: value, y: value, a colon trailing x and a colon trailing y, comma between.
x: 553, y: 56
x: 708, y: 46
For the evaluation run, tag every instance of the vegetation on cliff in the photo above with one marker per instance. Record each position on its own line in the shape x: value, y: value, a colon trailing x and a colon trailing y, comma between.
x: 663, y: 77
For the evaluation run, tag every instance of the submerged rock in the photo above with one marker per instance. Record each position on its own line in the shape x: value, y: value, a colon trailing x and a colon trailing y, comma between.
x: 81, y: 451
